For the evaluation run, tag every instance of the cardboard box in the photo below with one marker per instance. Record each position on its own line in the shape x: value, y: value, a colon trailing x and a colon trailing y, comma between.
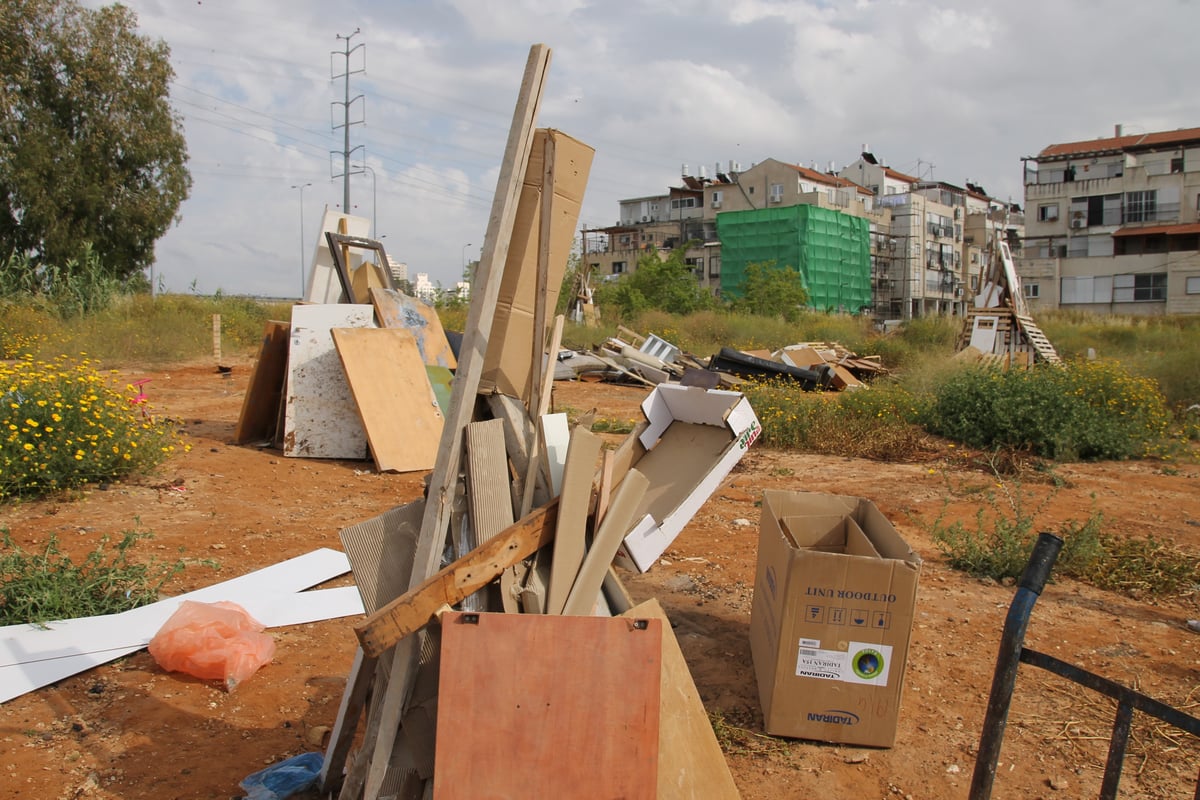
x: 511, y: 343
x: 689, y: 442
x: 834, y: 597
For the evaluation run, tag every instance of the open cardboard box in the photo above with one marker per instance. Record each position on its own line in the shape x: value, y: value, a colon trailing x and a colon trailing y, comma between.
x: 689, y: 442
x: 834, y: 597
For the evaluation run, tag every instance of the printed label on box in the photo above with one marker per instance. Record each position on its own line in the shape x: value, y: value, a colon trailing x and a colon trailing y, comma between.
x: 860, y: 663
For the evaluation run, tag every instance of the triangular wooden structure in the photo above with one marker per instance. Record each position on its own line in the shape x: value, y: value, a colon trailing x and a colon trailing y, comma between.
x: 999, y: 324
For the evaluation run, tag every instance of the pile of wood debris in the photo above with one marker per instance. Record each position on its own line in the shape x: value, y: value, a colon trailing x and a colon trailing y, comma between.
x: 650, y: 360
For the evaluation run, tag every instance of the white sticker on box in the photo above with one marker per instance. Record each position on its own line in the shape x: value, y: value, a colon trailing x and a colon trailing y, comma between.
x: 814, y: 662
x: 860, y: 663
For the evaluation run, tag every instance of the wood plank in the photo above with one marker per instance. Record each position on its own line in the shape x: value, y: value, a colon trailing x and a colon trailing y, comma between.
x: 558, y: 687
x: 617, y: 523
x: 472, y: 572
x: 488, y: 496
x: 397, y: 310
x: 534, y: 473
x: 260, y: 405
x: 321, y: 420
x: 570, y: 538
x: 691, y: 765
x: 397, y: 407
x: 488, y: 276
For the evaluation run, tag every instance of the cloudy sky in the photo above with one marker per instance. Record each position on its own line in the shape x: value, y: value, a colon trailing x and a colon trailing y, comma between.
x: 938, y: 89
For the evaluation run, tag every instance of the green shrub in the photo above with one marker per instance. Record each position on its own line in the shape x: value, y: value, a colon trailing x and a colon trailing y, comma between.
x: 63, y: 424
x: 868, y: 423
x: 40, y: 587
x: 1081, y: 411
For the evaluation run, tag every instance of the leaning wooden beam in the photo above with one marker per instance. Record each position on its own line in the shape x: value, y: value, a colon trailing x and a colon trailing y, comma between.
x: 480, y: 315
x: 416, y: 608
x: 444, y: 478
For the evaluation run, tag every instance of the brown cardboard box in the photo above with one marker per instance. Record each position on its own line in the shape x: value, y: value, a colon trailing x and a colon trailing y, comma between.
x: 510, y: 348
x: 834, y: 596
x: 691, y: 439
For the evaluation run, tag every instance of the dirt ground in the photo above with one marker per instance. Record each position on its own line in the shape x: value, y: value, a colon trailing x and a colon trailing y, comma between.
x: 130, y: 730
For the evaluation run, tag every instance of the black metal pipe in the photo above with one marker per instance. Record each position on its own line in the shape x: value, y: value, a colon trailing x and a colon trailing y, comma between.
x: 1116, y: 750
x: 1033, y: 580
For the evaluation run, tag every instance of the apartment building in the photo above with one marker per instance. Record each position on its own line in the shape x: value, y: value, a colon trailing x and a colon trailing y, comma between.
x: 1114, y: 224
x: 925, y: 242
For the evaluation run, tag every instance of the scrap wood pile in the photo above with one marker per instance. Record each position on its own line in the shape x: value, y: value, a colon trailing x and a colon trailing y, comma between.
x: 999, y: 328
x: 489, y: 675
x: 650, y: 360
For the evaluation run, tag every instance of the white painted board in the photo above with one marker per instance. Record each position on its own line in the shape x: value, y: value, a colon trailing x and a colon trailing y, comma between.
x: 33, y: 657
x: 321, y: 420
x: 323, y: 284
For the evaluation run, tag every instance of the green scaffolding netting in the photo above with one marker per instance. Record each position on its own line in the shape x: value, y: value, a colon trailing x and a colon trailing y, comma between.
x: 831, y: 251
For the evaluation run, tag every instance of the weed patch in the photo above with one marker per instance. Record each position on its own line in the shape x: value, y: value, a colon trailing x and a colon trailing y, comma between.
x: 45, y: 586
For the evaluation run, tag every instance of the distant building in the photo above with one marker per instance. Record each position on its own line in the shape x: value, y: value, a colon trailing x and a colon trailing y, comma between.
x: 1114, y: 224
x: 423, y: 288
x: 925, y: 242
x: 398, y: 269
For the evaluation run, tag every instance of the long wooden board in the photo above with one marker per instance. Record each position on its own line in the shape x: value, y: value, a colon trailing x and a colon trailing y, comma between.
x: 570, y: 709
x: 691, y: 765
x: 395, y: 402
x: 415, y: 609
x: 570, y: 541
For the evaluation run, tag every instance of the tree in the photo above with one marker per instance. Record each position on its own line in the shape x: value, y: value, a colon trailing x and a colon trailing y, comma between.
x: 664, y: 284
x: 772, y: 291
x: 90, y: 149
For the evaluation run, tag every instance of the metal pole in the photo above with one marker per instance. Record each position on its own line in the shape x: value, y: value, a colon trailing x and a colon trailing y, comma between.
x: 464, y: 259
x: 302, y: 187
x: 1033, y: 580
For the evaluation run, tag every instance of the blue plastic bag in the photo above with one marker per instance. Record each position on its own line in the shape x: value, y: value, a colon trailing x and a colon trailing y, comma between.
x: 282, y: 780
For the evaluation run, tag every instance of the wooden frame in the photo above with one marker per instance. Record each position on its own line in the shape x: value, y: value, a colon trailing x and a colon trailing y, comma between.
x: 339, y: 244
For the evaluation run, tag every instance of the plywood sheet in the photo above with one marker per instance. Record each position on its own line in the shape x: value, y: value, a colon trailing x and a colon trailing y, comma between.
x: 320, y: 419
x: 391, y: 391
x: 571, y: 704
x: 260, y: 405
x: 397, y: 310
x: 691, y: 765
x: 490, y: 501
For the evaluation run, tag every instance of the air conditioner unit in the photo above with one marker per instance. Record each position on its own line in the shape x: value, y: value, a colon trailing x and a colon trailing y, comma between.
x: 716, y: 203
x: 645, y: 219
x: 776, y: 198
x: 958, y: 292
x: 1078, y: 223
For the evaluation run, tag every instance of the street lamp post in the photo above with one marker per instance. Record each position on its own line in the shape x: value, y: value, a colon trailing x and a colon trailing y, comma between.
x: 464, y: 259
x: 374, y: 203
x: 302, y: 187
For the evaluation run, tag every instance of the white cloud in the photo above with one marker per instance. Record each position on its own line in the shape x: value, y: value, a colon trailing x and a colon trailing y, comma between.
x: 938, y: 88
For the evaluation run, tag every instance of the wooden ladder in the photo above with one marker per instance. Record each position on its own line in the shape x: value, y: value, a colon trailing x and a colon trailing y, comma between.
x: 1037, y: 339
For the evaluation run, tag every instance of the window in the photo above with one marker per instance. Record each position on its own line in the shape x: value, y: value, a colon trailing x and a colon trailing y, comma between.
x: 714, y: 267
x: 776, y: 192
x: 1177, y: 164
x: 618, y: 267
x: 1138, y: 288
x: 1140, y: 206
x: 1030, y: 290
x: 1193, y: 285
x: 696, y: 265
x: 717, y: 197
x: 683, y: 202
x: 1048, y: 212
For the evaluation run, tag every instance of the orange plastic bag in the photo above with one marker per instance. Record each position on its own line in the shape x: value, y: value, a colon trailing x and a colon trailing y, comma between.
x: 212, y: 640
